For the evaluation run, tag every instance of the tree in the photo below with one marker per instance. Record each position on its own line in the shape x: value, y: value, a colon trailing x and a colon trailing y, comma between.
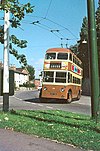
x: 31, y: 72
x: 74, y: 48
x: 18, y: 12
x: 83, y: 52
x: 81, y: 48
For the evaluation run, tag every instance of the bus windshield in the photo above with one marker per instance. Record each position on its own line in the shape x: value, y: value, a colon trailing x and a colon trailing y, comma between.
x: 50, y: 56
x: 63, y: 56
x: 49, y: 76
x: 60, y: 77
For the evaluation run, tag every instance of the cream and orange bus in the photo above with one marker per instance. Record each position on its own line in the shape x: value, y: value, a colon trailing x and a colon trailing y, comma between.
x: 62, y: 75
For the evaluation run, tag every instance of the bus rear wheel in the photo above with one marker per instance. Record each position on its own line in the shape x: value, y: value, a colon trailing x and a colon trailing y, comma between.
x: 79, y: 96
x: 69, y: 100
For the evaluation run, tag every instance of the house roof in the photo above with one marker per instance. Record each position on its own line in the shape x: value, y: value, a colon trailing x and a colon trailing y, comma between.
x: 16, y: 70
x: 23, y: 71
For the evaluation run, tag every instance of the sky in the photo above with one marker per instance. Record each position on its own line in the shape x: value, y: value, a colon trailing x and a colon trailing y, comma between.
x: 59, y: 21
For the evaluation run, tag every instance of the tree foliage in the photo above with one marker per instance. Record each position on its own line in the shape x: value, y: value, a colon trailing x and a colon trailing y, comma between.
x: 31, y: 72
x: 83, y: 52
x: 18, y: 12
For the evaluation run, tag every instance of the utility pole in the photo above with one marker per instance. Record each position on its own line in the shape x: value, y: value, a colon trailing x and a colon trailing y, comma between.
x: 6, y: 62
x: 94, y: 73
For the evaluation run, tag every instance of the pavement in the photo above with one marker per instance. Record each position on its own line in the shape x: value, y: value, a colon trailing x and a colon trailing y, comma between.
x: 15, y: 141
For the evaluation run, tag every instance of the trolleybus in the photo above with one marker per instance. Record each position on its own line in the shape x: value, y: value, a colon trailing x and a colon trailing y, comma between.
x: 62, y: 75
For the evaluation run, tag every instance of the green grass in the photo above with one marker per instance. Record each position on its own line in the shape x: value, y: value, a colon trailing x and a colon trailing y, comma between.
x: 62, y: 126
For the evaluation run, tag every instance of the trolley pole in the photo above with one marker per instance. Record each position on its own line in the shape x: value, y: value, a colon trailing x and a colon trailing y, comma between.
x: 94, y: 73
x: 6, y: 62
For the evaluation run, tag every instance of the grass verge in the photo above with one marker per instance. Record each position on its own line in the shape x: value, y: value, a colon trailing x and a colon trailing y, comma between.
x: 62, y: 126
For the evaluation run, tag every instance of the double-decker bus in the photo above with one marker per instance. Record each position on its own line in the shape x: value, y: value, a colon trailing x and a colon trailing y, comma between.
x: 62, y: 75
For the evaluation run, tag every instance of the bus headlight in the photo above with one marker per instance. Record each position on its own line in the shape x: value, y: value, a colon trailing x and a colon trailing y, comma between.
x: 44, y: 88
x: 62, y: 89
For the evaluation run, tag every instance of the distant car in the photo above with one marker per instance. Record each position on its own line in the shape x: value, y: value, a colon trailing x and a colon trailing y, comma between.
x: 39, y: 87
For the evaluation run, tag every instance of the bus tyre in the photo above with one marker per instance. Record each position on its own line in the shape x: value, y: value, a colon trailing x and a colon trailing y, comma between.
x: 69, y: 100
x: 40, y: 94
x: 78, y: 96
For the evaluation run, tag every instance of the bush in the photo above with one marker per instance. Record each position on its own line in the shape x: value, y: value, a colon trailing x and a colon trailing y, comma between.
x: 27, y: 85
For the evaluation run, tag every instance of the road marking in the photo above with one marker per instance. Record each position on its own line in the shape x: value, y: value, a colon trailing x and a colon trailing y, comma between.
x: 49, y: 107
x: 17, y: 98
x: 39, y: 104
x: 31, y: 103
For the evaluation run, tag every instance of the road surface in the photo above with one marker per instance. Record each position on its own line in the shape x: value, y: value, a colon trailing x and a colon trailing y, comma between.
x: 29, y: 100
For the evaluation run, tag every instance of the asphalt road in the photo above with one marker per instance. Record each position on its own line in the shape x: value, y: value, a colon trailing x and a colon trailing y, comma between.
x: 29, y: 100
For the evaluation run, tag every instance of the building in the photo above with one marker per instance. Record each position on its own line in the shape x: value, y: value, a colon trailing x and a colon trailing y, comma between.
x: 21, y: 76
x: 37, y: 83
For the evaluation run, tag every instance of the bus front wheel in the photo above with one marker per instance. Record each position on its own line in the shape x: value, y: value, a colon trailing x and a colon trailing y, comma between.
x: 69, y: 99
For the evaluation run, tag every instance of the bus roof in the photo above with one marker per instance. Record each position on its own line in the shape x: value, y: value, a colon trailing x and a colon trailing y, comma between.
x: 58, y: 50
x: 65, y: 50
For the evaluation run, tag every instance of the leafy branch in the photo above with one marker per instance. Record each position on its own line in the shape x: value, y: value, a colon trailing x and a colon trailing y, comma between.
x: 18, y: 12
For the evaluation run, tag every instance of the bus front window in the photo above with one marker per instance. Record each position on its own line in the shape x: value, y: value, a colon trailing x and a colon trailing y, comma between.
x: 48, y: 76
x: 50, y: 56
x: 62, y: 56
x: 60, y: 77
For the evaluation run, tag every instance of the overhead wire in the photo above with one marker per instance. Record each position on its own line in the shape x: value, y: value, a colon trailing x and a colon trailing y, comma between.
x: 55, y: 34
x: 48, y: 8
x: 39, y: 25
x: 45, y: 18
x: 60, y: 26
x: 64, y: 28
x: 46, y: 28
x: 43, y: 26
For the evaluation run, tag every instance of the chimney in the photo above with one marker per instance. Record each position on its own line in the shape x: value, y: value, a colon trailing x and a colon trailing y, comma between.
x: 13, y: 67
x: 1, y: 64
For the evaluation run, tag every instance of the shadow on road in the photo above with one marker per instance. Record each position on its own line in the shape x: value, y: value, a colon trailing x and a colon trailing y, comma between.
x: 53, y: 101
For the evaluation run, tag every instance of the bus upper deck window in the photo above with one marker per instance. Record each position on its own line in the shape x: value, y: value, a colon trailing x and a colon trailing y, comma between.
x: 50, y: 56
x: 63, y: 56
x: 70, y: 56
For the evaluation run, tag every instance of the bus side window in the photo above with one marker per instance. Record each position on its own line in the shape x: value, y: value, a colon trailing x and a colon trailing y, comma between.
x: 70, y: 56
x: 69, y: 77
x: 73, y: 59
